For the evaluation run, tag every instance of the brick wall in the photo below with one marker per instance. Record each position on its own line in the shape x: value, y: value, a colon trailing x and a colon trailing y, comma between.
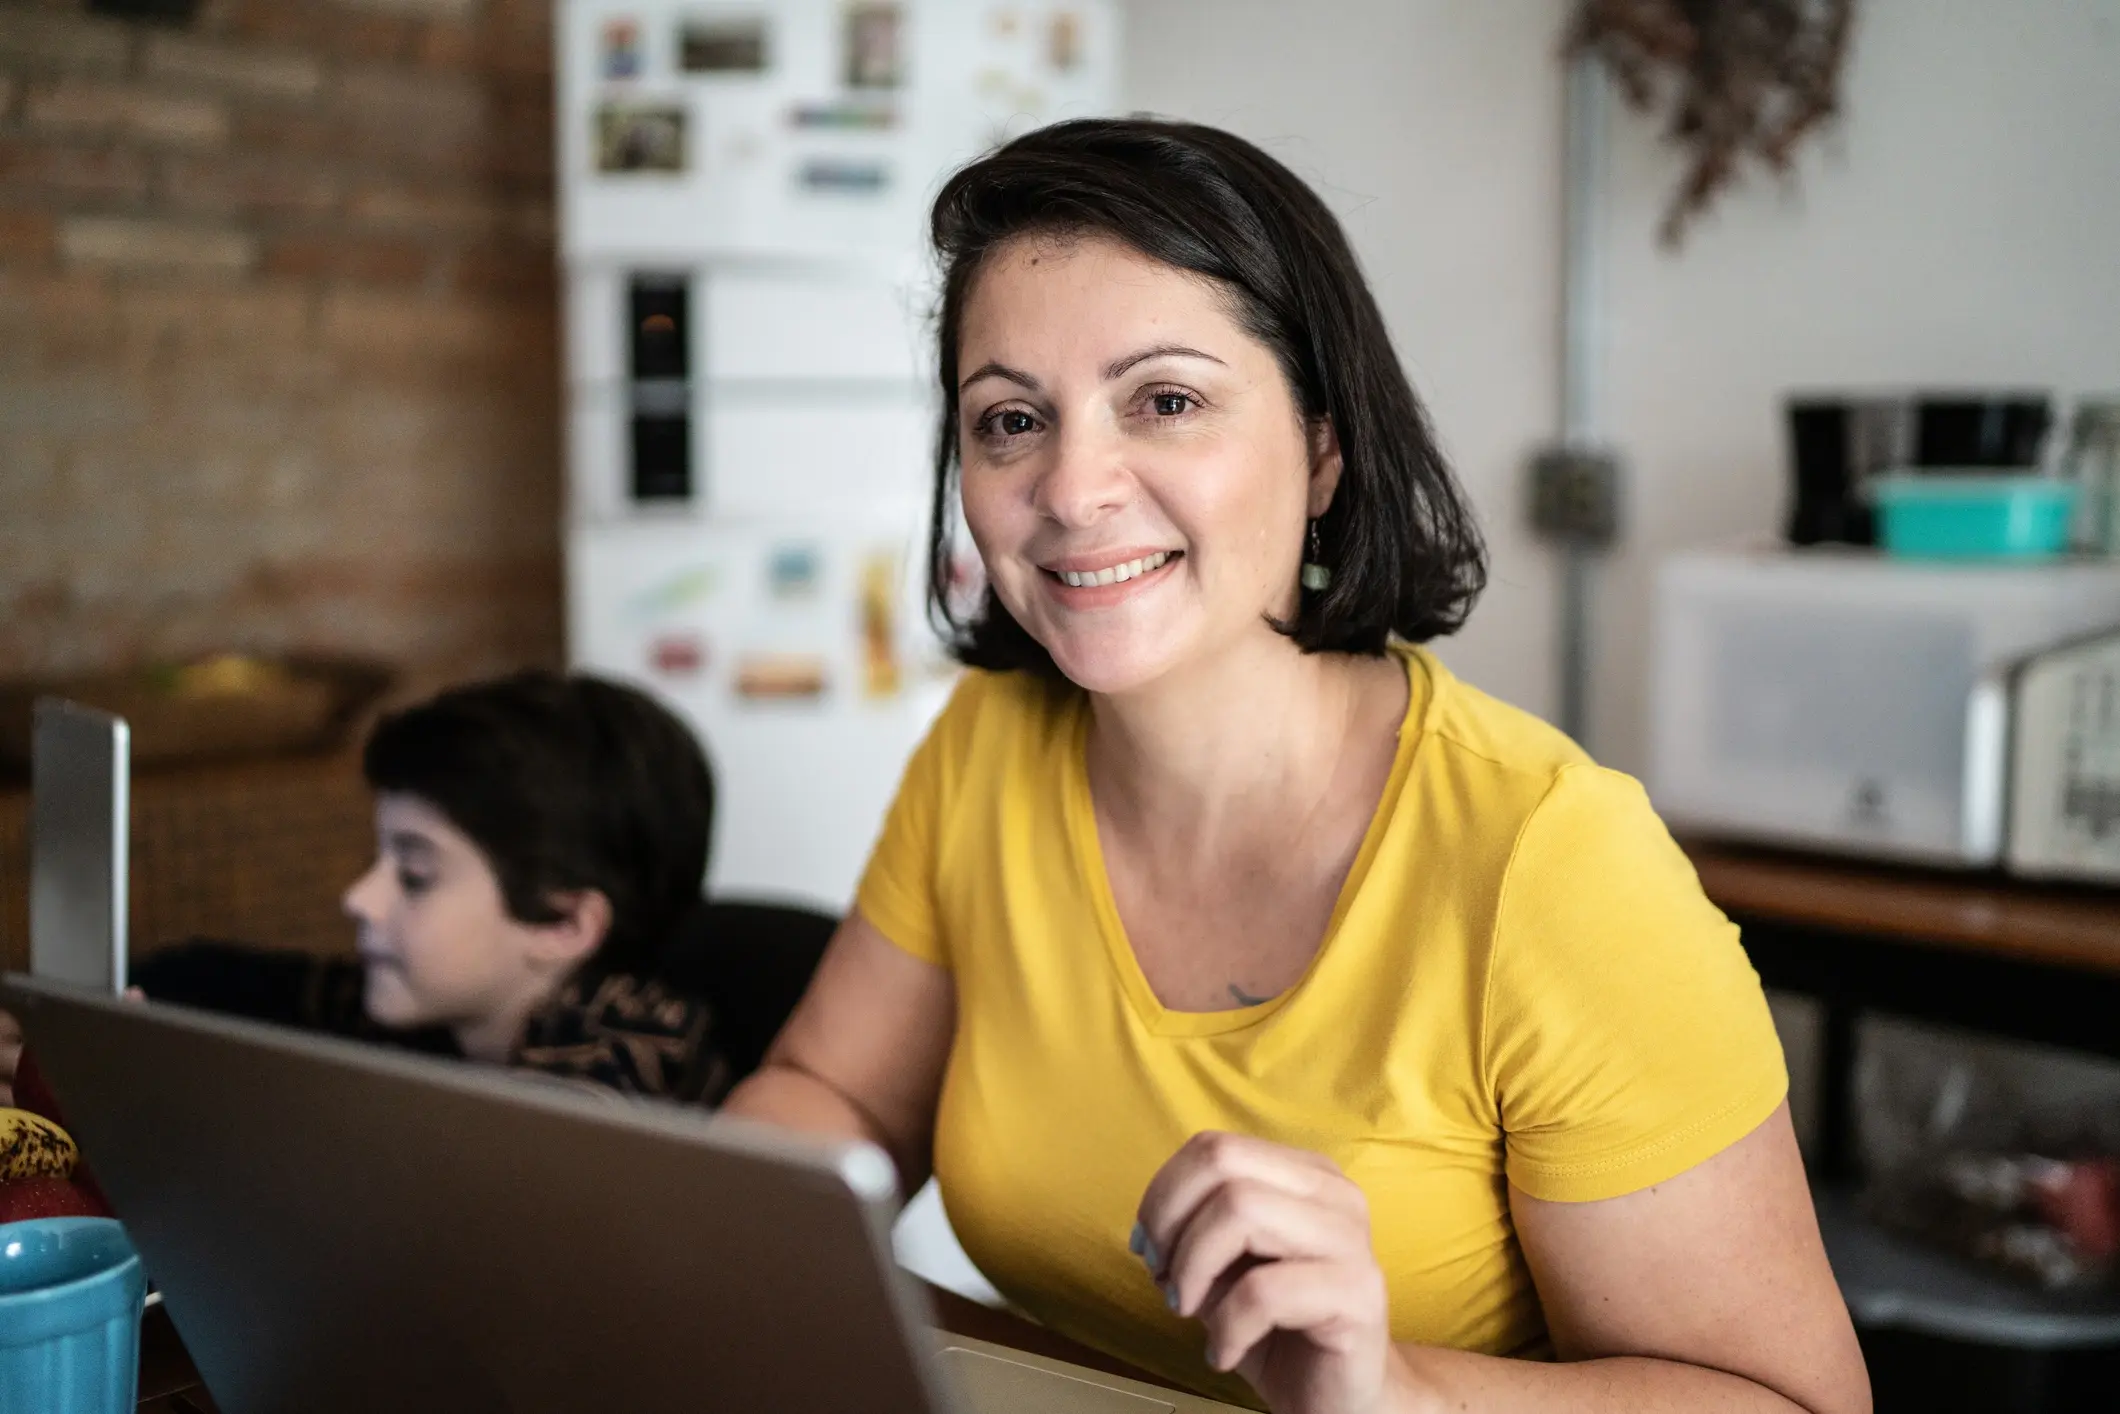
x: 278, y: 343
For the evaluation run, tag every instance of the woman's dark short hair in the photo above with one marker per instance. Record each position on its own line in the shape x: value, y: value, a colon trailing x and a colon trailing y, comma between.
x: 564, y: 783
x: 1399, y: 538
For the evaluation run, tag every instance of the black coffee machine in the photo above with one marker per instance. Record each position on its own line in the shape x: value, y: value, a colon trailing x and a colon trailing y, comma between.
x: 1837, y: 443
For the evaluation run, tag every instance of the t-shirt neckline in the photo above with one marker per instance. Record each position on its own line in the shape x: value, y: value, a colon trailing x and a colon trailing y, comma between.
x: 1081, y: 822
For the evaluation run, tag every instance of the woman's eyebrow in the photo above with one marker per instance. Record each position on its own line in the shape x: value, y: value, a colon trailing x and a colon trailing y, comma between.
x: 1002, y: 370
x: 1118, y: 366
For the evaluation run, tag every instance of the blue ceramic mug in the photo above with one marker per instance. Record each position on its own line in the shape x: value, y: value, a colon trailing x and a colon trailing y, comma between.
x: 70, y: 1293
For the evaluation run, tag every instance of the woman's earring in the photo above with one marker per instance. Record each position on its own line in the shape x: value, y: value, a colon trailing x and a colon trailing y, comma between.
x: 1315, y: 575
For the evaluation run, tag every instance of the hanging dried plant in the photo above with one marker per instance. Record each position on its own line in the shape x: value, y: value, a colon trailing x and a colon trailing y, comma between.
x: 1744, y: 77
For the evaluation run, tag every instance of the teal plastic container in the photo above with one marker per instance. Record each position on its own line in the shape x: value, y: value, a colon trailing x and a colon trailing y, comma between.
x: 1951, y: 516
x: 70, y: 1294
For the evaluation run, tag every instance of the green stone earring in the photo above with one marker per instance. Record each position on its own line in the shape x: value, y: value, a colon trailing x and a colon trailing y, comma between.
x: 1315, y: 575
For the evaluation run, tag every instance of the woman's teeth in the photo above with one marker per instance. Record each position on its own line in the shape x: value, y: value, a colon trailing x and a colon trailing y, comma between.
x: 1114, y: 574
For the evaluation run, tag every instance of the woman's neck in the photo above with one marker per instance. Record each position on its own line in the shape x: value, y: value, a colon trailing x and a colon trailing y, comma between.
x: 1255, y: 737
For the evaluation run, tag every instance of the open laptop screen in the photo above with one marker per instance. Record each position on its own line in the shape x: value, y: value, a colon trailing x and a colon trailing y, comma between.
x: 80, y: 786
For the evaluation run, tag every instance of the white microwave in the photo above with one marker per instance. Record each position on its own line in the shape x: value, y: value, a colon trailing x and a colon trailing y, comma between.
x: 1838, y: 699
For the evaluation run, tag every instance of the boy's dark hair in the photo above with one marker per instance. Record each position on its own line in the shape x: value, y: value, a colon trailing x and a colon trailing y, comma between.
x: 564, y: 783
x: 1405, y: 554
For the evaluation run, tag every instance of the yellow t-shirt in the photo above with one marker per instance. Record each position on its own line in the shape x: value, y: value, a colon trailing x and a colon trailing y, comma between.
x: 1521, y: 977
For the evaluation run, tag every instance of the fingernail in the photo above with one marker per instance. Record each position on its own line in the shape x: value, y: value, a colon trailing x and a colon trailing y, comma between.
x: 1170, y: 1295
x: 1138, y: 1243
x: 1149, y: 1254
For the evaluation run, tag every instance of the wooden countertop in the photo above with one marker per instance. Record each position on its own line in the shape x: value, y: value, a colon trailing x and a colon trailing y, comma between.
x: 2066, y: 925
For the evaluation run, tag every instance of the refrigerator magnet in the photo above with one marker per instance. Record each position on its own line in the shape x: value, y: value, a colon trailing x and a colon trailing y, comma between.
x: 735, y: 45
x: 881, y: 672
x: 640, y: 137
x: 845, y: 115
x: 840, y: 176
x: 873, y: 53
x: 678, y: 655
x: 780, y: 676
x: 1063, y: 41
x: 621, y: 57
x: 673, y: 594
x: 792, y: 571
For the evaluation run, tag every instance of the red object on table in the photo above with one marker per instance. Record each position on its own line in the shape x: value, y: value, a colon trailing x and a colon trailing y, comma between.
x: 46, y: 1197
x: 34, y: 1095
x: 31, y: 1093
x: 2082, y: 1199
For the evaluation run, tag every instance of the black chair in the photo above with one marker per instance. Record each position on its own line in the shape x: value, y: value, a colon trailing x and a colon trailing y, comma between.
x: 751, y: 961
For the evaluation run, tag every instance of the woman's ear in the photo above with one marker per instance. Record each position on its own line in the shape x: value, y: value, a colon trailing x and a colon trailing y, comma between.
x: 584, y: 923
x: 1325, y: 465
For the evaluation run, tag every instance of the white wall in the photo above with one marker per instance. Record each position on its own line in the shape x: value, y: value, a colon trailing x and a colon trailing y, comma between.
x: 1961, y: 226
x: 1433, y: 129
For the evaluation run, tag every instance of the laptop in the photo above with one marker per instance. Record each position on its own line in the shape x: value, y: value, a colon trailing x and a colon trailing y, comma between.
x: 80, y: 786
x: 342, y: 1227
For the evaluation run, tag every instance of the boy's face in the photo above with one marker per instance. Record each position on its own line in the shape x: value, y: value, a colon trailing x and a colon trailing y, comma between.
x: 437, y: 944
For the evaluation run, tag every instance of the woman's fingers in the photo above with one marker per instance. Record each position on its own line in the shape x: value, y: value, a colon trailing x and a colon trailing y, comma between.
x: 1211, y: 1159
x: 1334, y: 1305
x: 1247, y: 1219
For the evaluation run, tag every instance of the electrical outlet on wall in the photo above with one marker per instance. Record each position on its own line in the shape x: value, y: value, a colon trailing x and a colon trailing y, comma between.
x: 1575, y: 496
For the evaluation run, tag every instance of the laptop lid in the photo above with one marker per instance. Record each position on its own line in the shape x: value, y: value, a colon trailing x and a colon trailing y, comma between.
x: 338, y: 1226
x: 80, y: 808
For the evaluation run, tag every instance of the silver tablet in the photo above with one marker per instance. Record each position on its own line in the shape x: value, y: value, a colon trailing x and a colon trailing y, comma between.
x: 80, y: 808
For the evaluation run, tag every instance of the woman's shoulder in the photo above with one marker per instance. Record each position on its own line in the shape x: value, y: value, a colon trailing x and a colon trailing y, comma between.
x: 1481, y: 732
x: 990, y: 714
x: 1016, y: 694
x: 1513, y: 780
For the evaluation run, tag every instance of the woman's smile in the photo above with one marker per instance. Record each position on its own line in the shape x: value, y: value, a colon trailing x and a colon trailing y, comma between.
x: 1101, y: 580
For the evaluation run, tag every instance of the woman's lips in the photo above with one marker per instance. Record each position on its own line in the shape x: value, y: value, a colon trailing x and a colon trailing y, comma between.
x: 1097, y: 582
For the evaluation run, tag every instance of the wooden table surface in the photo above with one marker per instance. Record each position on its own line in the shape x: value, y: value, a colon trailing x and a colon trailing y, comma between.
x: 170, y: 1385
x: 2070, y: 925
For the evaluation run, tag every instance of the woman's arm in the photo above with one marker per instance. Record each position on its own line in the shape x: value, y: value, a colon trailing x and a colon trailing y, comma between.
x: 1709, y: 1291
x: 862, y: 1057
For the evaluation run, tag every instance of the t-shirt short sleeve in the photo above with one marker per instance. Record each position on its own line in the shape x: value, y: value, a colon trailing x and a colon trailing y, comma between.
x: 897, y: 891
x: 1625, y: 1034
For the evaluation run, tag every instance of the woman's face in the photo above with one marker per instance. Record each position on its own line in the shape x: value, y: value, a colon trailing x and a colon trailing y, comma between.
x: 437, y: 944
x: 1137, y: 475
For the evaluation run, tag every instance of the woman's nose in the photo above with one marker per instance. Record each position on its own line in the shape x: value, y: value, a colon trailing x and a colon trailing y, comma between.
x: 1085, y: 479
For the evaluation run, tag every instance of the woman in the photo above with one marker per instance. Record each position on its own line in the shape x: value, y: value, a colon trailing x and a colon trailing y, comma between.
x: 1277, y: 1012
x: 540, y: 846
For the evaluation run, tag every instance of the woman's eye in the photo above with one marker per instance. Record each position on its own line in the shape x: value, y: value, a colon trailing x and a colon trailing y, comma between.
x: 1171, y: 404
x: 1005, y: 424
x: 413, y: 883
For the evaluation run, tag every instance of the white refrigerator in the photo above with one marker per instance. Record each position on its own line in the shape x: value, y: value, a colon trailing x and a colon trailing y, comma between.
x: 778, y: 602
x: 743, y: 192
